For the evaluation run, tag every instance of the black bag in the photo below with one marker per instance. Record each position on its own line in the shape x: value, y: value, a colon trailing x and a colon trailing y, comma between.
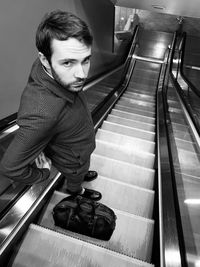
x: 85, y: 216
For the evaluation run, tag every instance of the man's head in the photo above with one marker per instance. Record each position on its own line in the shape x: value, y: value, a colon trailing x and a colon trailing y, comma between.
x: 64, y: 44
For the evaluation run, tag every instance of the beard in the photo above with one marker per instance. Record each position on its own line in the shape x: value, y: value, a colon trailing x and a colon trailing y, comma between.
x: 72, y: 87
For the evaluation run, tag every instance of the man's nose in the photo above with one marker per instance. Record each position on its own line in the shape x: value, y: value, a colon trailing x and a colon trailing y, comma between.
x: 79, y: 72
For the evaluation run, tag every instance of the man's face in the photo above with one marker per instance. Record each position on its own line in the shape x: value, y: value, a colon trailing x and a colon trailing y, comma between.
x: 70, y: 63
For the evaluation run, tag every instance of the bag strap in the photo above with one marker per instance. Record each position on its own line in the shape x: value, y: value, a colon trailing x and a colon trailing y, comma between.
x: 87, y: 204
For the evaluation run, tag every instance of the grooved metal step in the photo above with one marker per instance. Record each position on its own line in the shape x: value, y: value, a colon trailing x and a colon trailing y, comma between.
x: 144, y: 80
x: 143, y: 87
x: 177, y: 118
x: 123, y: 171
x: 131, y: 123
x: 133, y: 116
x: 126, y: 141
x: 180, y: 127
x: 138, y: 133
x: 139, y: 96
x: 141, y: 102
x: 135, y: 110
x: 128, y: 196
x: 144, y: 90
x: 182, y: 135
x: 137, y: 245
x: 67, y: 251
x: 137, y: 104
x: 140, y: 158
x: 186, y: 145
x: 189, y: 162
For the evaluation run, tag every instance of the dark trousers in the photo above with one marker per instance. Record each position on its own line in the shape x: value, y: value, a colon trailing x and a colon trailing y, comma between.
x: 74, y: 179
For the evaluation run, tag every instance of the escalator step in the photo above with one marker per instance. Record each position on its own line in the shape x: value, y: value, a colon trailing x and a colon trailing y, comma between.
x: 123, y: 196
x: 150, y: 89
x: 189, y: 162
x: 132, y: 116
x: 180, y: 127
x: 67, y: 251
x: 130, y: 102
x: 129, y: 155
x: 175, y: 110
x: 138, y: 133
x: 135, y: 110
x: 138, y: 244
x: 144, y: 90
x: 139, y: 96
x: 178, y: 118
x: 144, y: 80
x: 131, y: 123
x: 182, y: 135
x: 126, y: 141
x: 123, y: 171
x: 145, y: 73
x: 186, y: 145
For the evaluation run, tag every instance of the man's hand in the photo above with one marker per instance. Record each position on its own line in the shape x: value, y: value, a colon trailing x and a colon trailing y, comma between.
x: 43, y: 162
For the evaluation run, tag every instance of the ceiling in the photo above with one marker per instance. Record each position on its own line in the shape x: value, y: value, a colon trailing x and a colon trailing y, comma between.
x: 185, y: 8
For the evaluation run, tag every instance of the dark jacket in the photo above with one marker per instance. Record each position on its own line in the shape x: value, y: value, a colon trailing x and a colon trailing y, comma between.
x: 53, y: 120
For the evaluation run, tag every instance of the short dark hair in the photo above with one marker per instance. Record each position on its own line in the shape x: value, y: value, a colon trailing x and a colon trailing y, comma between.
x: 60, y: 25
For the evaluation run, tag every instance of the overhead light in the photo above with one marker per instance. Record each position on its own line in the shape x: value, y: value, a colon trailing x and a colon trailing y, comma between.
x: 158, y: 7
x: 192, y: 201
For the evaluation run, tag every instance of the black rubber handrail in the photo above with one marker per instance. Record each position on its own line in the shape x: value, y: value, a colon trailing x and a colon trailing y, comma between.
x: 171, y: 229
x: 8, y: 121
x: 186, y: 228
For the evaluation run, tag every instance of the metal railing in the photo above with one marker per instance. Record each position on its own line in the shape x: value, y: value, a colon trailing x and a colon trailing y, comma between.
x: 192, y: 120
x: 172, y: 252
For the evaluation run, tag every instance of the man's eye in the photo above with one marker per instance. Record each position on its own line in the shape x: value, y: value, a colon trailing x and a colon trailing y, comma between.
x: 67, y: 64
x: 86, y: 61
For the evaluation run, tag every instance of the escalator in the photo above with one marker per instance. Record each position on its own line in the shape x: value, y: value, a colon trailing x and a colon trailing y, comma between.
x: 183, y: 109
x: 126, y: 161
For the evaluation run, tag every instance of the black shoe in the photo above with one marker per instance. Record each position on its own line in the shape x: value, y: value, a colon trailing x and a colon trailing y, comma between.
x: 88, y: 193
x: 90, y: 176
x: 91, y: 194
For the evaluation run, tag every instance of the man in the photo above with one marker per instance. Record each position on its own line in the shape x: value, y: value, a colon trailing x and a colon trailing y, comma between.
x: 55, y: 125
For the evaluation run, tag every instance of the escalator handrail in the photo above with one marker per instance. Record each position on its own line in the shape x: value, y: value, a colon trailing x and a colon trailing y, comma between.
x: 17, y: 219
x: 170, y: 230
x: 8, y: 121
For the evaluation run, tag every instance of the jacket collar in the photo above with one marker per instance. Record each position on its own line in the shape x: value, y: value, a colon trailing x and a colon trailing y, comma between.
x: 50, y: 83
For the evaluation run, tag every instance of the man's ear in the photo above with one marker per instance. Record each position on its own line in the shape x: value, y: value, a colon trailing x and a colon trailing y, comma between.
x: 44, y: 61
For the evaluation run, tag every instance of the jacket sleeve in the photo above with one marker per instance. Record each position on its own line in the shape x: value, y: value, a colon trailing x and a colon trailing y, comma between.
x: 31, y: 138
